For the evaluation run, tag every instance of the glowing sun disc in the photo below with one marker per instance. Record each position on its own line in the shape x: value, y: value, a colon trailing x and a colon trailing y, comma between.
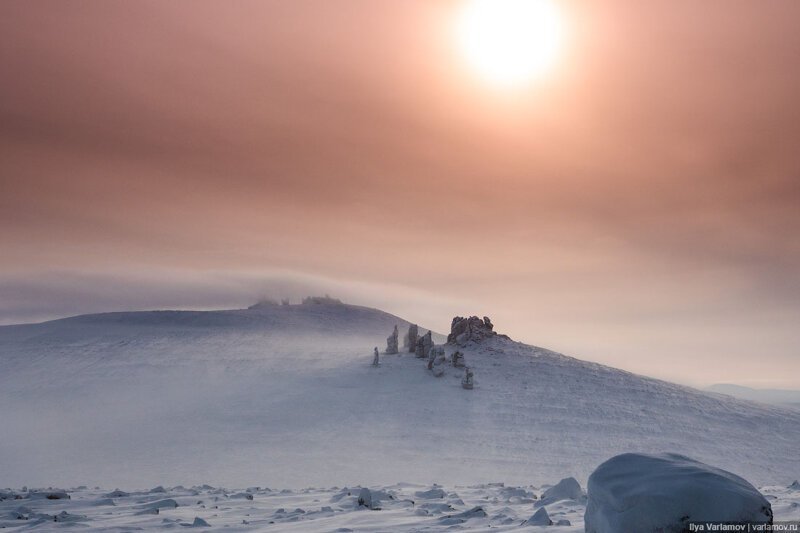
x: 510, y: 41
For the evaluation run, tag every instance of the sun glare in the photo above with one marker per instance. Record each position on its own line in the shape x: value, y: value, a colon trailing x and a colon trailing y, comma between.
x: 510, y: 42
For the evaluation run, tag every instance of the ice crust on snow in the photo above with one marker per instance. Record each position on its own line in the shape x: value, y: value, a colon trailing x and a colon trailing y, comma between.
x: 639, y: 492
x: 482, y: 507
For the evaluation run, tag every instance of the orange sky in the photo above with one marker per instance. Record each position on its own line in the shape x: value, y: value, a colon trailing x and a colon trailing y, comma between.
x: 638, y: 205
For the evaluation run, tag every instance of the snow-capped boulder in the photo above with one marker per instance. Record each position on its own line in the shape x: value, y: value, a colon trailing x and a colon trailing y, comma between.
x: 168, y: 503
x: 48, y: 495
x: 540, y: 518
x: 460, y: 518
x: 379, y: 496
x: 365, y: 498
x: 648, y: 493
x: 516, y: 495
x: 64, y: 516
x: 431, y: 494
x: 566, y: 489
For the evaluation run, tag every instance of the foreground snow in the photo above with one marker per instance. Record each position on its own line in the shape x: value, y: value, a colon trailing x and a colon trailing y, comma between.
x: 402, y: 507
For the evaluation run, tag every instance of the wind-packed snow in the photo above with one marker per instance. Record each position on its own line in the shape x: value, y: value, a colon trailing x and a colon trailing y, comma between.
x: 483, y: 507
x: 637, y: 492
x: 287, y: 396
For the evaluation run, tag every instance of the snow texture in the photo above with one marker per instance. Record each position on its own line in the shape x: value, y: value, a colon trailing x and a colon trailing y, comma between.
x: 482, y: 507
x: 637, y: 492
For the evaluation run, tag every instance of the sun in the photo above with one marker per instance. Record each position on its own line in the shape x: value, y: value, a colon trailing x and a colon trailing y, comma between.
x: 510, y: 42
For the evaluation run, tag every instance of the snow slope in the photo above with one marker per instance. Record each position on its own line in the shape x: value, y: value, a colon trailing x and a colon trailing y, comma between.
x: 285, y: 396
x: 782, y: 397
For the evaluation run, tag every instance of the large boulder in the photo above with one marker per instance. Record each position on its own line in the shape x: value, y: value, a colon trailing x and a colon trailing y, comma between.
x: 664, y: 493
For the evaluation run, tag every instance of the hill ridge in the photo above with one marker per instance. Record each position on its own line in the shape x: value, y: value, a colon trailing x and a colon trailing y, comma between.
x: 296, y: 400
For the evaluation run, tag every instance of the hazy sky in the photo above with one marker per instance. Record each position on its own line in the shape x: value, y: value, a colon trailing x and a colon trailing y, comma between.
x: 638, y: 205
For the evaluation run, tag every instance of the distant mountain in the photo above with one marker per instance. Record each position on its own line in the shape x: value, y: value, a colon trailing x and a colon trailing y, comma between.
x: 783, y: 397
x: 286, y: 396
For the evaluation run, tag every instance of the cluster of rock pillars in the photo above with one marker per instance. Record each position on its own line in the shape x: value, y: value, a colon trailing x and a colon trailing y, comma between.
x: 462, y: 331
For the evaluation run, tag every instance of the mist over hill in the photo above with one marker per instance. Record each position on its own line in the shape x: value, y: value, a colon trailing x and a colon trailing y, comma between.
x: 285, y: 395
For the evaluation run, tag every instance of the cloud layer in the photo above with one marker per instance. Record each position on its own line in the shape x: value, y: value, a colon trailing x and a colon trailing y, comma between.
x: 639, y: 207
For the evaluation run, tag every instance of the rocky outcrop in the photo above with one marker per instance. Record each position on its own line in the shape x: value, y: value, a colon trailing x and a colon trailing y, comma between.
x: 468, y: 381
x: 437, y: 360
x: 464, y: 330
x: 424, y: 345
x: 410, y: 339
x: 391, y: 342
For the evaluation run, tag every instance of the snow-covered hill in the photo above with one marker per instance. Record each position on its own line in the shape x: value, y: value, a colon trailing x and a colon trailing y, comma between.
x: 285, y: 396
x: 781, y: 397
